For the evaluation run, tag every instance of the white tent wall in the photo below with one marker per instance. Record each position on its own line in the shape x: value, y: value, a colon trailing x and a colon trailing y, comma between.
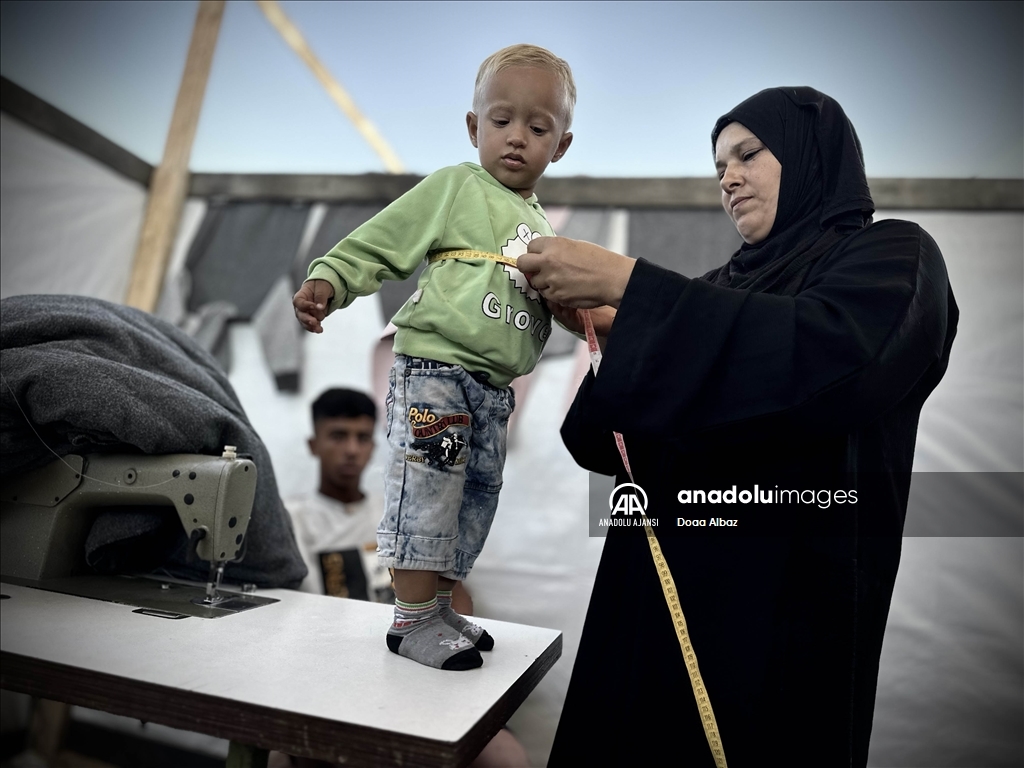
x: 951, y: 685
x: 951, y: 678
x: 68, y: 223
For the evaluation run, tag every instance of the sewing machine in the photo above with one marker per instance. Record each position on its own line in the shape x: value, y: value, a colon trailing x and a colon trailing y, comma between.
x: 266, y: 679
x: 46, y: 516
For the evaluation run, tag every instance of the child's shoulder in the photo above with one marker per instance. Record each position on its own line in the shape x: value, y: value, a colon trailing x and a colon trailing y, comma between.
x: 454, y: 173
x: 453, y: 180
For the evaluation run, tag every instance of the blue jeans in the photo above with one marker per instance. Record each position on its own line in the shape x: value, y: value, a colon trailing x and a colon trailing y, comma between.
x: 446, y: 443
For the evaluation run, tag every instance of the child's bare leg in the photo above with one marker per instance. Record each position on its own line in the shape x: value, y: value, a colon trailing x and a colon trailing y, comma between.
x: 415, y: 586
x: 419, y: 633
x: 477, y: 634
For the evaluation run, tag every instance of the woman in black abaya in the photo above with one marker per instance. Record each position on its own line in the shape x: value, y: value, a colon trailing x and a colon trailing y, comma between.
x: 805, y: 359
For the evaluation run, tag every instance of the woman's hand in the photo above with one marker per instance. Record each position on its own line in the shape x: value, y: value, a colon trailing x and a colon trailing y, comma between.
x: 576, y: 273
x: 572, y: 318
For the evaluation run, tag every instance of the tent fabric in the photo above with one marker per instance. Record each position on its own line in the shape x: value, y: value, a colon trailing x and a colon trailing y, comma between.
x: 690, y: 242
x: 238, y: 257
x: 280, y: 335
x: 177, y: 284
x: 68, y: 224
x: 240, y: 251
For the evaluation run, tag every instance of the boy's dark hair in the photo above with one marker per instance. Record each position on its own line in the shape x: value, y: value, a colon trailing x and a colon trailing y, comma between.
x: 343, y: 403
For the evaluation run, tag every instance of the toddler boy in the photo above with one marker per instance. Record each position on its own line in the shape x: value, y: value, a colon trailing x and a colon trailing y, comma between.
x: 473, y: 324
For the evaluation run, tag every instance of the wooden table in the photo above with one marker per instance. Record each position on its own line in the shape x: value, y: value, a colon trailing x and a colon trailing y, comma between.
x: 309, y: 676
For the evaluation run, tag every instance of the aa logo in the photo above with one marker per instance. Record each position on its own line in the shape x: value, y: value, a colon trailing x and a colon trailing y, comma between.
x: 627, y: 499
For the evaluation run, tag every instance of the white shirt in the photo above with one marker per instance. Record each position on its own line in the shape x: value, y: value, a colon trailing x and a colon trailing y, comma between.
x: 329, y: 533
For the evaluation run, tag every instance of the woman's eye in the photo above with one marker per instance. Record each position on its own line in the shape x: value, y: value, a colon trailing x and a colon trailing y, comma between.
x: 750, y: 155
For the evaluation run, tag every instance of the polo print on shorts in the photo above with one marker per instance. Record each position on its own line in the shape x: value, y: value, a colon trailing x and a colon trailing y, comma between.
x: 436, y: 444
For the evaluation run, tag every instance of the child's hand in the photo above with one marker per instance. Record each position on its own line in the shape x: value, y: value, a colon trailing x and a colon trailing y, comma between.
x: 311, y: 303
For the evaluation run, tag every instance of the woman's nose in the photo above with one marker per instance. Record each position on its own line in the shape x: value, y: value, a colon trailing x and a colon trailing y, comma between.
x: 730, y: 179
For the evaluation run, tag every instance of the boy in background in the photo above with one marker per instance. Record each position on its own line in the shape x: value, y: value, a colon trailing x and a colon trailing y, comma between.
x: 473, y: 324
x: 336, y: 527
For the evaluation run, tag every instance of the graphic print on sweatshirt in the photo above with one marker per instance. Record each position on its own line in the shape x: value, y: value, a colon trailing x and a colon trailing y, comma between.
x: 515, y: 248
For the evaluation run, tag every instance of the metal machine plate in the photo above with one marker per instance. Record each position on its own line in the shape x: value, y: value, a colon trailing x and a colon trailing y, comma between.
x: 169, y: 598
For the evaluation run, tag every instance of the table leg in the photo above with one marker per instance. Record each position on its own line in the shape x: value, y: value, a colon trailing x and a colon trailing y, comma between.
x: 246, y: 756
x: 47, y: 728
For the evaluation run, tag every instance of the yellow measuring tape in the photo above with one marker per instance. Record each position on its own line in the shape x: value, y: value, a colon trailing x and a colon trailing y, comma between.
x: 668, y: 586
x: 700, y: 693
x: 446, y: 255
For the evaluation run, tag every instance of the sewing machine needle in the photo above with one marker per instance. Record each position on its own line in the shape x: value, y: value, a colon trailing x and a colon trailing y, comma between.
x: 216, y: 574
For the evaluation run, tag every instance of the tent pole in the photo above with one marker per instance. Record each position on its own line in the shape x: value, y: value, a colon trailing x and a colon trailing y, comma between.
x: 294, y: 39
x: 169, y: 184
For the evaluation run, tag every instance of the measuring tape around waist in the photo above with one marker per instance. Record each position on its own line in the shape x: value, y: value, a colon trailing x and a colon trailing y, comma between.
x: 668, y: 586
x: 466, y: 254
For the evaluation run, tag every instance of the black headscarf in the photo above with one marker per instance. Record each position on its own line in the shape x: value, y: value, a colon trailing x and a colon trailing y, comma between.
x: 823, y: 193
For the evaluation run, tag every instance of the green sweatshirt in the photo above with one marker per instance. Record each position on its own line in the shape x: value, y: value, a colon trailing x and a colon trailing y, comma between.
x: 479, y: 314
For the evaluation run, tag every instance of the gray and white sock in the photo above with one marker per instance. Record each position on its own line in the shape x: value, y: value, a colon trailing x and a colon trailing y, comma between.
x: 420, y: 634
x: 477, y: 634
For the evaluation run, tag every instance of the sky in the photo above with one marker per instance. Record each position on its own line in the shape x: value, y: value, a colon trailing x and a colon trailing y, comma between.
x: 934, y: 89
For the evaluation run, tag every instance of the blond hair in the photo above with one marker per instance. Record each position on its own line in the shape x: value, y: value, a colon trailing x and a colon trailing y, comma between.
x: 525, y: 55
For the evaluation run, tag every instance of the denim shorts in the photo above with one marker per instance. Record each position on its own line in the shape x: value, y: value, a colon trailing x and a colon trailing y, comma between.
x: 446, y: 451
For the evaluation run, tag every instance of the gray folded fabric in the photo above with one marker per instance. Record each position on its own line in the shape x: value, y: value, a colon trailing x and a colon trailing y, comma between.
x: 82, y: 375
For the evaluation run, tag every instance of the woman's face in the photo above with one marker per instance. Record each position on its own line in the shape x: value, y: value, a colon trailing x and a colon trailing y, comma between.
x: 750, y: 176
